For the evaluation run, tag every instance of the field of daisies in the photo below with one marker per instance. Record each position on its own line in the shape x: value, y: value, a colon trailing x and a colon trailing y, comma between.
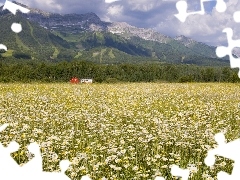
x: 121, y: 131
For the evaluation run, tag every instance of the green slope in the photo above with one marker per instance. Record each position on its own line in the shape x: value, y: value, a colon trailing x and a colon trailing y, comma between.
x: 108, y: 55
x: 34, y: 40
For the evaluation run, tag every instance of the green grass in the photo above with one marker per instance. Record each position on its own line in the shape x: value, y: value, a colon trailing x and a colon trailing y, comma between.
x: 68, y: 37
x: 121, y: 131
x: 31, y: 30
x: 8, y: 53
x: 79, y: 54
x: 111, y: 55
x: 20, y: 44
x: 101, y: 55
x: 56, y: 52
x: 95, y: 54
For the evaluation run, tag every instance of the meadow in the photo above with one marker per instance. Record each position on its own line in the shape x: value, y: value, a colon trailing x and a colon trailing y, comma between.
x: 121, y: 131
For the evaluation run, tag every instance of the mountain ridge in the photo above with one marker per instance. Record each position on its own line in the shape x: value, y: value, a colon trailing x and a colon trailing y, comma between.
x: 87, y: 31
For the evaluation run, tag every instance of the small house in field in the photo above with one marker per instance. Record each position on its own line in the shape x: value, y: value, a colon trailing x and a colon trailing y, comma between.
x: 74, y: 80
x: 87, y: 81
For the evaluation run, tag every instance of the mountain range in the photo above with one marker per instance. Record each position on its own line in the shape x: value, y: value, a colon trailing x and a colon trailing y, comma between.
x: 56, y: 37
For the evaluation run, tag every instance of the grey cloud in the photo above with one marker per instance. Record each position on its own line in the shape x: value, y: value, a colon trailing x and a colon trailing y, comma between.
x: 146, y: 19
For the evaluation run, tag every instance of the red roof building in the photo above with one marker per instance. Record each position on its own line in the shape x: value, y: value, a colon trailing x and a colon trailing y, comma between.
x: 74, y: 80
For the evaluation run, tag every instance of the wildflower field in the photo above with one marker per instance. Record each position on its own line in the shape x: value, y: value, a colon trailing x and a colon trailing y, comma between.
x: 121, y: 131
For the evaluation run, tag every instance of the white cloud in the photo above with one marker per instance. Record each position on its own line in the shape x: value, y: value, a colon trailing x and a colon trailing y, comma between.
x: 47, y: 5
x: 205, y: 28
x: 51, y: 4
x: 111, y: 1
x: 115, y: 10
x: 143, y: 5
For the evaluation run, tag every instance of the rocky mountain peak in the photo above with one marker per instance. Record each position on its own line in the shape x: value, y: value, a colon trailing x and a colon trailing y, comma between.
x: 70, y: 23
x: 185, y: 40
x: 126, y: 30
x: 34, y: 10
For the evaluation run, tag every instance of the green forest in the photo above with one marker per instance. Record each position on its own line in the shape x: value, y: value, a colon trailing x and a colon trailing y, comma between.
x: 39, y: 71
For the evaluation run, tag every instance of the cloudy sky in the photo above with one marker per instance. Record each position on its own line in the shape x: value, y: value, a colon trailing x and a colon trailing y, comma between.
x: 155, y: 14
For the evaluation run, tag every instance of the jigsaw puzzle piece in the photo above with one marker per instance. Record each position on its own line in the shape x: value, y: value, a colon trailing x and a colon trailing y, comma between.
x: 236, y: 16
x: 182, y: 10
x: 32, y: 169
x: 16, y: 27
x: 4, y: 126
x: 159, y: 178
x: 223, y: 176
x: 176, y: 171
x: 35, y: 164
x: 30, y: 173
x: 13, y: 8
x: 7, y: 164
x: 86, y: 178
x: 52, y: 176
x: 221, y: 6
x: 42, y: 175
x: 182, y: 7
x: 111, y: 1
x: 64, y: 164
x: 2, y: 46
x: 222, y: 51
x: 227, y: 150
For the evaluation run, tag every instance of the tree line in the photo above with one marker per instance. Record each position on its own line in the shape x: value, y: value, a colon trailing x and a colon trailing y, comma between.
x: 36, y: 71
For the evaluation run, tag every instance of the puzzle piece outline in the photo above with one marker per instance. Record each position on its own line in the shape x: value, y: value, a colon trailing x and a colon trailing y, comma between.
x: 111, y: 1
x: 178, y: 172
x: 13, y: 8
x: 228, y: 150
x: 182, y: 8
x: 32, y: 168
x: 222, y: 51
